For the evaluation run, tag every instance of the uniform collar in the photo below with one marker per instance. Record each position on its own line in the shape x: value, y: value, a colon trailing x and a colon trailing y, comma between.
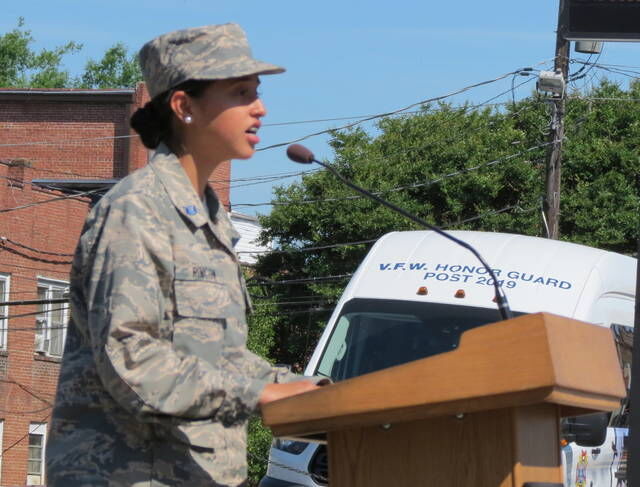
x: 185, y: 198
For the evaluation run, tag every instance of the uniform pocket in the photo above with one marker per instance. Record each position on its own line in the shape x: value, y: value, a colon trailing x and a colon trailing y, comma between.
x: 205, y: 433
x: 202, y: 299
x: 202, y: 310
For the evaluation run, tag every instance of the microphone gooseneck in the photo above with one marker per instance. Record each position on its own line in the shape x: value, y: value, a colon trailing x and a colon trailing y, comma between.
x: 299, y: 153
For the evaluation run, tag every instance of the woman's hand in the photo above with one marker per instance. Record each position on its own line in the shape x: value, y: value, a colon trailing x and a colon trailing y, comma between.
x: 273, y: 392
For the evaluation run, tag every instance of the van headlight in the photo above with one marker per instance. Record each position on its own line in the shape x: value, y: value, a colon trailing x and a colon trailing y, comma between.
x: 290, y: 446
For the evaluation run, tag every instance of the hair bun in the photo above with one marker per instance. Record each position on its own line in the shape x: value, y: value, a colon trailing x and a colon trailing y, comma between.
x: 149, y: 124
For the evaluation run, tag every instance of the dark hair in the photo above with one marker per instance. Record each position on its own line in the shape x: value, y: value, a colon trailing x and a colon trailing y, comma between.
x: 154, y: 121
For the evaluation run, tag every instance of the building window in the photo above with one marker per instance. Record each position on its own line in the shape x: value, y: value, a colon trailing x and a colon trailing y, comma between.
x: 51, y: 320
x: 4, y: 310
x: 35, y: 462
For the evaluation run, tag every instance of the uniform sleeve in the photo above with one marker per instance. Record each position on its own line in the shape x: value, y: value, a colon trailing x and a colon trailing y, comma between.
x: 130, y: 328
x: 267, y: 373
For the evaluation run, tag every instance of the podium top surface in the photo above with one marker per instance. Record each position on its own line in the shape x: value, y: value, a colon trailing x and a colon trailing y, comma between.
x: 533, y: 359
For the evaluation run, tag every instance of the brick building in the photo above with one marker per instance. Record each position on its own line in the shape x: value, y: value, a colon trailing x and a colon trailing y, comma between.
x: 58, y: 150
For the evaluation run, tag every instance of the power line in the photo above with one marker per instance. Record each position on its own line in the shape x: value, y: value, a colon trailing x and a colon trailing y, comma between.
x: 489, y: 213
x: 284, y: 175
x: 394, y: 112
x: 25, y: 413
x: 68, y: 141
x: 624, y: 72
x: 362, y: 117
x: 54, y: 171
x: 36, y: 203
x: 13, y: 242
x: 269, y: 282
x: 406, y: 150
x: 34, y: 313
x: 48, y: 403
x: 28, y: 390
x: 309, y: 249
x: 523, y: 71
x: 262, y: 282
x: 400, y: 188
x: 619, y: 66
x: 37, y: 259
x: 364, y: 242
x: 39, y: 269
x: 22, y: 438
x: 30, y: 302
x: 595, y: 98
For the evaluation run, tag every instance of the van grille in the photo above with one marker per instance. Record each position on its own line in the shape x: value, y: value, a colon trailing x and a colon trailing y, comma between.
x: 319, y: 466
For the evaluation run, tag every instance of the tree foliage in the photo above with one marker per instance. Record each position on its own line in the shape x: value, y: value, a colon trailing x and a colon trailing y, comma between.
x: 116, y: 69
x: 460, y: 168
x: 23, y: 67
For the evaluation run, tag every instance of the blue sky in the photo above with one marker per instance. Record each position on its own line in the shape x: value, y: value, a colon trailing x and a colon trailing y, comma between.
x: 344, y: 58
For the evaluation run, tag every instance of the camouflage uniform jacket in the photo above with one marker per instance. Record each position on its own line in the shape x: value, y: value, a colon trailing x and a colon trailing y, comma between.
x: 156, y: 383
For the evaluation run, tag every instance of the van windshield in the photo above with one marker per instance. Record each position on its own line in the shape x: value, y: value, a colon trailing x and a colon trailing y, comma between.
x: 373, y: 334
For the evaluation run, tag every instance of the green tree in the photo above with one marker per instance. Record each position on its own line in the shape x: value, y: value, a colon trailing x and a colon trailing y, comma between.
x: 457, y: 167
x: 600, y: 187
x: 116, y: 69
x: 260, y: 341
x: 21, y: 66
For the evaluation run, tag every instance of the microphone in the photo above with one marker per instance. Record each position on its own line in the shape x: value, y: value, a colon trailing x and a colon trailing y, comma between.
x: 299, y: 153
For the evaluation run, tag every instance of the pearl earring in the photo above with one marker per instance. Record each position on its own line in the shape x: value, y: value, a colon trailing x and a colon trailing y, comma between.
x: 188, y: 119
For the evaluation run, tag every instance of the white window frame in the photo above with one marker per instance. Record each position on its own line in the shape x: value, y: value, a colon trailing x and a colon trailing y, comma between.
x: 45, y: 333
x: 37, y: 429
x: 4, y: 311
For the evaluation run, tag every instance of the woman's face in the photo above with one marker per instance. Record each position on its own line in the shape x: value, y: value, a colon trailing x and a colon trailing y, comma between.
x: 226, y: 118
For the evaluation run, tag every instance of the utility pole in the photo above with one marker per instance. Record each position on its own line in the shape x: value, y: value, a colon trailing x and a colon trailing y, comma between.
x: 633, y: 456
x: 554, y: 156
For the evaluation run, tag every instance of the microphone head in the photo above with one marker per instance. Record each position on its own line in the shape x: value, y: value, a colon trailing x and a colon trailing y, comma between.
x: 299, y: 153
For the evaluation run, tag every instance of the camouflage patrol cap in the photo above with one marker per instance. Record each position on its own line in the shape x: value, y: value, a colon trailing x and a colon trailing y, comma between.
x: 201, y: 53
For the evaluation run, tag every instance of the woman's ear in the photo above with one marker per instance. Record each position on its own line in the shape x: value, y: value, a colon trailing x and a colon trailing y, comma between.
x: 180, y: 103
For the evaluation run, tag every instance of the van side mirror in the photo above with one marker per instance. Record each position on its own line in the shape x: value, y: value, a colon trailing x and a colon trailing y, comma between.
x: 588, y: 430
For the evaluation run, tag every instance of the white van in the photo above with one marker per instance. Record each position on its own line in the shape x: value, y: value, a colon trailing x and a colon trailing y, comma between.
x: 416, y: 292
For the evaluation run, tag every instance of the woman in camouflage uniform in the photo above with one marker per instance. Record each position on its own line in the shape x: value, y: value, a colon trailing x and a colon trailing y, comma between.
x: 157, y: 384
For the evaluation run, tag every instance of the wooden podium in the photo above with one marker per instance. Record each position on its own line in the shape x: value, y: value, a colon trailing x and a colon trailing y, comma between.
x: 484, y: 415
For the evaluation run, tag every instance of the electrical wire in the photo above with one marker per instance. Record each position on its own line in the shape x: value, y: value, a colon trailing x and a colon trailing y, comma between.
x: 262, y: 282
x: 55, y: 171
x: 305, y: 280
x: 68, y: 141
x: 25, y: 413
x: 34, y: 313
x: 394, y: 112
x: 400, y: 151
x: 624, y: 72
x: 364, y: 242
x: 400, y: 188
x: 39, y: 269
x: 366, y: 118
x: 36, y: 259
x: 61, y: 198
x: 310, y: 249
x: 592, y: 98
x: 489, y: 213
x: 27, y: 389
x: 22, y: 438
x: 13, y: 242
x: 31, y: 302
x: 363, y: 118
x: 283, y: 175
